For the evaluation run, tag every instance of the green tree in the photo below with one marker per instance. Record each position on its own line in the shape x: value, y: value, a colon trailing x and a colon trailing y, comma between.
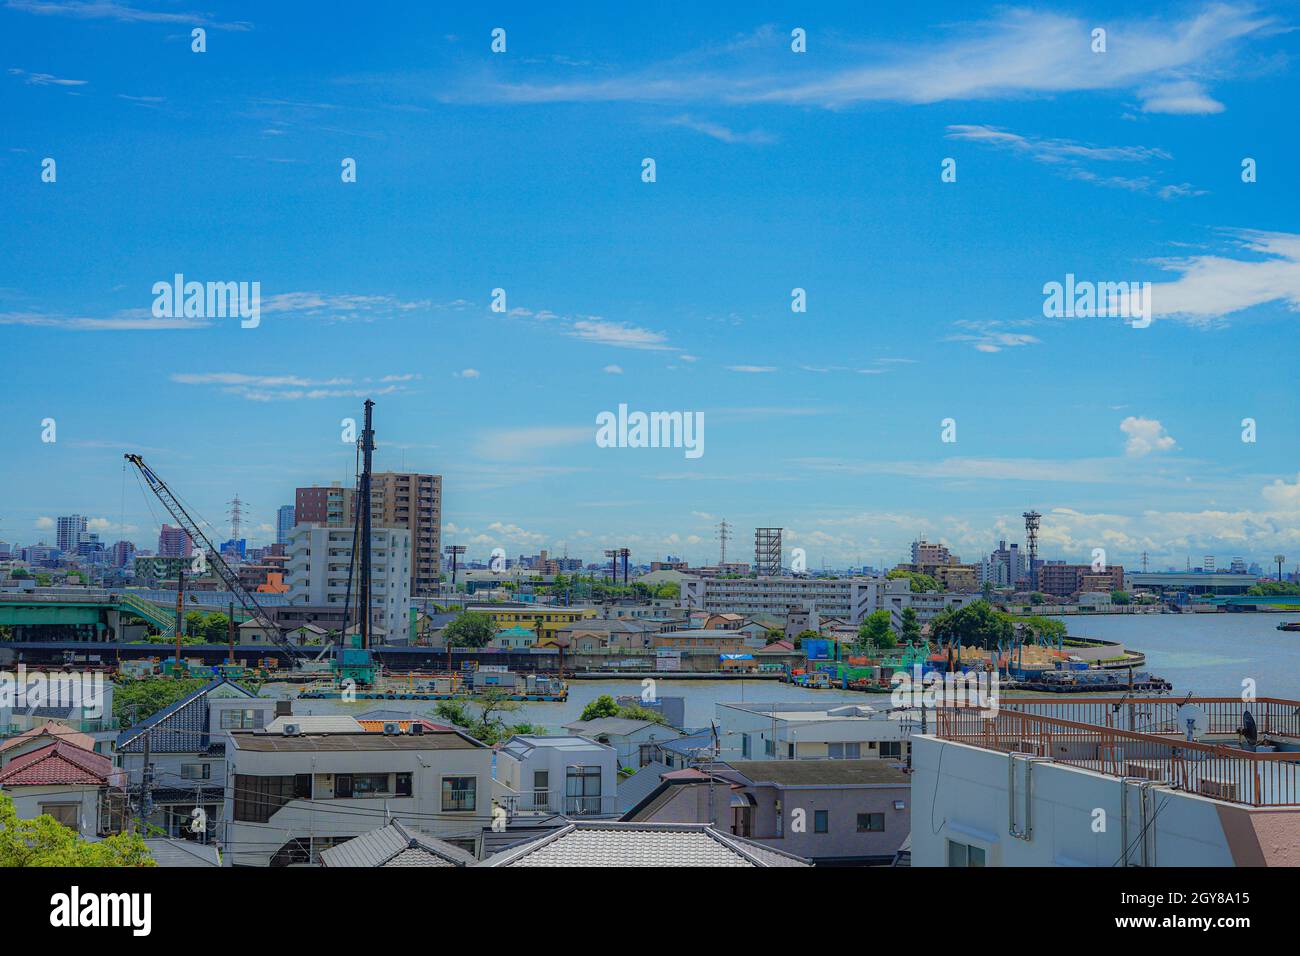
x: 1036, y: 598
x: 136, y: 700
x: 975, y: 625
x: 919, y: 582
x: 43, y: 841
x: 469, y: 629
x: 602, y: 706
x: 1121, y: 597
x: 911, y: 627
x: 876, y: 630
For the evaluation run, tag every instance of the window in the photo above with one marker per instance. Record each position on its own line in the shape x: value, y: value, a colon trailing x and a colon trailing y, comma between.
x: 851, y: 751
x: 745, y: 748
x: 369, y: 784
x: 249, y: 719
x: 459, y: 793
x: 65, y: 813
x: 582, y: 790
x: 891, y: 748
x: 821, y: 821
x: 258, y: 798
x: 871, y: 823
x: 647, y: 752
x: 196, y: 771
x: 403, y: 784
x: 962, y: 854
x: 541, y: 788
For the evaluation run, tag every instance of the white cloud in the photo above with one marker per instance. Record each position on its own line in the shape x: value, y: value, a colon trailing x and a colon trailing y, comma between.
x: 613, y: 369
x: 43, y: 523
x: 507, y: 444
x: 1210, y: 287
x: 1164, y: 62
x: 752, y: 369
x: 467, y: 373
x: 618, y: 334
x: 722, y: 133
x: 1145, y: 436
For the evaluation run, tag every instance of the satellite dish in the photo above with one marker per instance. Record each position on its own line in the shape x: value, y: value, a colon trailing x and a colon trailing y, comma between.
x: 1193, y: 720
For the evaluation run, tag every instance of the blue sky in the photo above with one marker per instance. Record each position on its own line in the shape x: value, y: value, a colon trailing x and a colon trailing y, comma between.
x: 775, y: 170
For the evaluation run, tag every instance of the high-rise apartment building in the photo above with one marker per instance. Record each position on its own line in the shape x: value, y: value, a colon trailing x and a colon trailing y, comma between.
x: 397, y: 500
x: 174, y: 543
x: 284, y: 522
x: 68, y: 533
x: 317, y: 574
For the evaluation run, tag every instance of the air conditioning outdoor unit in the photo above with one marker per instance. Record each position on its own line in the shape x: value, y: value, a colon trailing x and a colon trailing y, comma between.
x: 392, y: 727
x: 292, y: 730
x: 1218, y: 789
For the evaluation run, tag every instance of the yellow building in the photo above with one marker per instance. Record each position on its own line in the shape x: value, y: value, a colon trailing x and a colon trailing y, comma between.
x: 543, y: 619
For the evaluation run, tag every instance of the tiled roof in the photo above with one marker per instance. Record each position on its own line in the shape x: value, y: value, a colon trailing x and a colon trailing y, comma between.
x: 632, y: 790
x: 642, y: 844
x: 172, y: 852
x: 616, y: 726
x: 57, y: 763
x: 187, y: 734
x: 396, y: 845
x: 821, y: 773
x: 51, y: 729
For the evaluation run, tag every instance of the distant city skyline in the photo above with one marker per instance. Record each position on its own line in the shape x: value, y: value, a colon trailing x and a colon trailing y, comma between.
x: 775, y: 172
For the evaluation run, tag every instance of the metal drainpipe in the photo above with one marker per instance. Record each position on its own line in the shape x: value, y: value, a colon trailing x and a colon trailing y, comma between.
x: 1123, y: 814
x: 1030, y: 759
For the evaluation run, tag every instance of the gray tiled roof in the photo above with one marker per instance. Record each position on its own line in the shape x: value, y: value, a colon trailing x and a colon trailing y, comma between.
x: 616, y: 727
x: 632, y: 790
x: 171, y: 852
x: 642, y: 844
x: 396, y: 845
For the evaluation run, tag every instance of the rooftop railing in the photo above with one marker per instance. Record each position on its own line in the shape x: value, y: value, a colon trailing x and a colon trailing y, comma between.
x: 1273, y: 716
x: 1216, y: 770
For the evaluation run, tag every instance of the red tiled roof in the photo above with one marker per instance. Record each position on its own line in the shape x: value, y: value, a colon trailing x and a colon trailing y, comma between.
x: 58, y: 763
x: 51, y: 728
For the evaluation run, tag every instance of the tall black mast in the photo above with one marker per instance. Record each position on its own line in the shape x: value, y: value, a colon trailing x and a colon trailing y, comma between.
x: 367, y: 446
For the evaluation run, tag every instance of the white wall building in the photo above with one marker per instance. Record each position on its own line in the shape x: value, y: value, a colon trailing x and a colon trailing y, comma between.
x: 317, y: 572
x: 291, y: 796
x: 571, y: 775
x: 796, y: 731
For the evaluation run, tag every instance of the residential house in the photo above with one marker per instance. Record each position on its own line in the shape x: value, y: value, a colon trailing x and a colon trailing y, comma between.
x: 572, y: 775
x: 635, y: 741
x: 791, y: 731
x: 77, y: 787
x: 292, y: 796
x: 636, y: 787
x: 517, y: 638
x: 828, y: 811
x: 187, y: 747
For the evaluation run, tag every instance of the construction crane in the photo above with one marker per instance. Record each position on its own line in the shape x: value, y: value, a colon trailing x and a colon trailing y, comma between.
x: 215, y: 561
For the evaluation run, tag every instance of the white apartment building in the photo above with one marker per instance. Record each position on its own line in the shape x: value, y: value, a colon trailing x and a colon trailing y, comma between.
x: 572, y: 775
x: 317, y: 572
x: 852, y: 599
x: 797, y: 731
x: 292, y: 795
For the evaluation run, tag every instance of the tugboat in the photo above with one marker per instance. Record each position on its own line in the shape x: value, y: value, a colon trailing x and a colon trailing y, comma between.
x: 1289, y: 626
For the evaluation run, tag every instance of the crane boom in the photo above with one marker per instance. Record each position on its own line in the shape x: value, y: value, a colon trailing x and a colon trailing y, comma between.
x: 216, y: 561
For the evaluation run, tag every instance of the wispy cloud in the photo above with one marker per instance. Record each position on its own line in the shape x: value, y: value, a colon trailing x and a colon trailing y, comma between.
x: 272, y: 388
x: 515, y: 443
x: 722, y: 133
x: 1165, y: 62
x: 1072, y: 159
x: 121, y: 12
x: 44, y: 79
x: 1211, y: 287
x: 992, y: 336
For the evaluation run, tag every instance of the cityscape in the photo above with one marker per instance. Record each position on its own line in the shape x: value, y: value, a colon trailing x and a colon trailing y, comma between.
x: 842, y: 438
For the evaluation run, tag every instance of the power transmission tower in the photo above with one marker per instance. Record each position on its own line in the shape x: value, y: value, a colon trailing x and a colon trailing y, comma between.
x: 1031, y: 543
x: 724, y: 535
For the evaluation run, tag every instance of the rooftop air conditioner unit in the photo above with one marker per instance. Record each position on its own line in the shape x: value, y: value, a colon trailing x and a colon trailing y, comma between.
x: 392, y: 727
x: 291, y: 730
x: 1217, y: 789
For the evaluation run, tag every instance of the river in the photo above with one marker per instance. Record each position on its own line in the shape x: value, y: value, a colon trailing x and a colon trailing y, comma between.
x: 1206, y: 654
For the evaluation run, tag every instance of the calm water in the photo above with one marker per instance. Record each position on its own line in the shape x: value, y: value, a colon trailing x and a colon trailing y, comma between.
x: 1207, y: 654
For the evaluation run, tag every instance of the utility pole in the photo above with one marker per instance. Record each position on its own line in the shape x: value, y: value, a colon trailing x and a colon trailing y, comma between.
x: 230, y: 635
x: 180, y: 616
x: 455, y: 550
x: 146, y: 786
